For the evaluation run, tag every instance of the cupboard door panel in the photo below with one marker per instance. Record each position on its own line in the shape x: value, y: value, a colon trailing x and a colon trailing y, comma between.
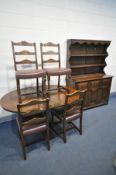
x: 94, y: 92
x: 105, y: 88
x: 83, y: 86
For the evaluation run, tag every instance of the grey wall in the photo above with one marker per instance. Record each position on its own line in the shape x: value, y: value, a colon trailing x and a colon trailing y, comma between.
x: 57, y: 21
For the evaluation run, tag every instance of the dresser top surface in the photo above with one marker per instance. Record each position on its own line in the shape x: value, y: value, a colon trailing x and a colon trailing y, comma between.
x: 88, y: 77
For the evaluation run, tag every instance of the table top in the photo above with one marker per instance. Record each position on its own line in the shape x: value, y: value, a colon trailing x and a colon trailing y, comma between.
x: 10, y: 100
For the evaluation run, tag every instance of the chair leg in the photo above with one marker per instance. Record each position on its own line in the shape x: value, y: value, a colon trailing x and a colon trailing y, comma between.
x: 37, y: 86
x: 64, y: 132
x: 48, y: 138
x: 81, y: 125
x: 24, y: 152
x: 68, y: 80
x: 44, y: 85
x: 48, y: 82
x: 18, y: 90
x: 23, y: 146
x: 58, y: 81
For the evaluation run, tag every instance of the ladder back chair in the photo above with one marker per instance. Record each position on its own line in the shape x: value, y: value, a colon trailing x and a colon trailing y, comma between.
x: 51, y: 63
x: 72, y: 110
x: 26, y: 65
x: 32, y: 118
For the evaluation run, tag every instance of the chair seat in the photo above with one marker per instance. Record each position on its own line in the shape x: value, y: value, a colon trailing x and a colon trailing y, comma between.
x: 71, y: 115
x: 58, y: 71
x: 74, y: 116
x: 27, y: 130
x: 25, y: 74
x: 33, y: 125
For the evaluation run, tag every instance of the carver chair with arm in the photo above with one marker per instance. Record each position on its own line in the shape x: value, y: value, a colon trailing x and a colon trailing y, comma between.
x: 72, y: 110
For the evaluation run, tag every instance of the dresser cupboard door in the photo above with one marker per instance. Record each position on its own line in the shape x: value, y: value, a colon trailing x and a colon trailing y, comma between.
x: 94, y: 92
x: 84, y: 86
x: 105, y: 89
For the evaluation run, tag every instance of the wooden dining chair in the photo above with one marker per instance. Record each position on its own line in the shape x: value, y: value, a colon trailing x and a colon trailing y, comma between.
x: 32, y: 118
x: 26, y: 66
x: 72, y: 110
x: 51, y: 63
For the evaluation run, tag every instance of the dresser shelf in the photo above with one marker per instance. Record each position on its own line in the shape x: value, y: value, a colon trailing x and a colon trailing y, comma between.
x: 87, y: 65
x: 89, y: 55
